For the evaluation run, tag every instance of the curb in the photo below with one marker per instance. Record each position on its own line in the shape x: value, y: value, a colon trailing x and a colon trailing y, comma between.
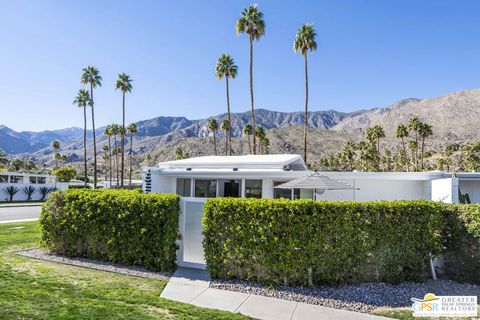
x: 21, y: 220
x: 20, y: 205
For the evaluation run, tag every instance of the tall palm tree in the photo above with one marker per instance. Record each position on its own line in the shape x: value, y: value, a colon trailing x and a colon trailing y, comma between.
x: 91, y: 76
x: 132, y: 130
x: 55, y: 148
x: 226, y: 68
x: 402, y: 133
x: 413, y: 146
x: 378, y: 134
x: 3, y: 159
x: 109, y: 133
x: 124, y: 84
x: 304, y: 42
x: 115, y: 151
x: 414, y: 124
x: 424, y: 131
x: 213, y: 127
x: 225, y: 126
x: 251, y: 22
x: 260, y: 134
x: 247, y: 131
x: 83, y: 100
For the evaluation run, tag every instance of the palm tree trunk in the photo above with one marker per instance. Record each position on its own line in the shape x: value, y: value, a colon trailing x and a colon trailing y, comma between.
x: 226, y: 142
x: 251, y: 94
x: 116, y: 159
x: 416, y: 150
x: 123, y: 143
x: 130, y: 156
x: 249, y: 144
x: 85, y: 143
x: 215, y: 142
x: 110, y: 158
x: 405, y: 153
x: 305, y: 120
x: 229, y: 133
x: 94, y: 141
x: 423, y: 145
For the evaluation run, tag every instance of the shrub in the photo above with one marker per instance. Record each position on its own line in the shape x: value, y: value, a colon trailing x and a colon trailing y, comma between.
x: 462, y: 243
x: 308, y: 242
x: 77, y: 186
x: 65, y: 174
x: 115, y: 225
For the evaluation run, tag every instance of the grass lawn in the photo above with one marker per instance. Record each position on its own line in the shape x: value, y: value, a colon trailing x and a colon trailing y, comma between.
x: 33, y: 289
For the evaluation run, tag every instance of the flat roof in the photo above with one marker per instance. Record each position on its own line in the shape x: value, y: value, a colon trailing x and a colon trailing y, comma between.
x: 268, y: 161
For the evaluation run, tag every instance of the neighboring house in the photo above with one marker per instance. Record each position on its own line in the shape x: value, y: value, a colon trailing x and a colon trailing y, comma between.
x: 255, y: 176
x: 24, y: 180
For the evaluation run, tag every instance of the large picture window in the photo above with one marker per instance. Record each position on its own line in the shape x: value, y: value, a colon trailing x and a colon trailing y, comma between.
x: 291, y: 194
x: 184, y: 187
x: 3, y: 178
x: 253, y: 188
x: 205, y: 188
x: 16, y: 179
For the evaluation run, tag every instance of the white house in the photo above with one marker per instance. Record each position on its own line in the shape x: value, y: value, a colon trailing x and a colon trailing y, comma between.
x: 256, y: 176
x: 20, y: 181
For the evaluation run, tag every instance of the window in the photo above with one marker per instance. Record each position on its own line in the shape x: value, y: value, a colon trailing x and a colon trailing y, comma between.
x: 41, y: 180
x: 289, y: 194
x: 33, y: 179
x: 184, y: 187
x: 205, y: 188
x: 3, y: 178
x: 16, y: 179
x: 253, y: 188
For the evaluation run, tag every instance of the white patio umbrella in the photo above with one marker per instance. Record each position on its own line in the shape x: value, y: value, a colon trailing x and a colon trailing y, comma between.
x: 319, y: 182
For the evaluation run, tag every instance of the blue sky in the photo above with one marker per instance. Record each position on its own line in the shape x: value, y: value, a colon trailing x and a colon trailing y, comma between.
x: 370, y: 53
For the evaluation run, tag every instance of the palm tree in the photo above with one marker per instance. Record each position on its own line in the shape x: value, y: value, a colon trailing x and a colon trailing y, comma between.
x: 414, y: 124
x: 413, y: 146
x: 260, y: 134
x: 251, y: 22
x: 124, y: 84
x: 91, y: 76
x: 226, y: 68
x: 304, y: 42
x: 213, y: 127
x: 115, y: 133
x: 132, y: 130
x: 55, y: 148
x: 402, y: 133
x: 109, y: 133
x: 247, y: 130
x: 225, y: 126
x: 3, y: 158
x: 82, y: 100
x: 378, y: 134
x: 105, y: 158
x: 424, y: 131
x: 348, y: 153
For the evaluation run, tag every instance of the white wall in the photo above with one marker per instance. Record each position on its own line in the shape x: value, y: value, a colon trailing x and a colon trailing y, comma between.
x: 445, y: 190
x: 472, y: 187
x: 371, y: 190
x: 21, y: 196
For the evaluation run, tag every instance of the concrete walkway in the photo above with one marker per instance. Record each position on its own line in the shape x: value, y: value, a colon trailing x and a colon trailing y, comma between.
x: 20, y: 213
x: 192, y: 286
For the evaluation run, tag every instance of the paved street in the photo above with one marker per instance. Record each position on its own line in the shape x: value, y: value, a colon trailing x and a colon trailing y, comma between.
x: 19, y: 213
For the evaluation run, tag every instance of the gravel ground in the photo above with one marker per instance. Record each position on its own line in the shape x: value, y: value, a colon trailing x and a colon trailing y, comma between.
x: 95, y: 264
x: 361, y: 298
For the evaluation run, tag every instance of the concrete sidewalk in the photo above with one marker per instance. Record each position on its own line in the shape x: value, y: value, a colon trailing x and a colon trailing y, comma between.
x: 192, y: 286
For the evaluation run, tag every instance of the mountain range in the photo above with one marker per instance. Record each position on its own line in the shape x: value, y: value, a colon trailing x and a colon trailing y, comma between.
x: 454, y: 117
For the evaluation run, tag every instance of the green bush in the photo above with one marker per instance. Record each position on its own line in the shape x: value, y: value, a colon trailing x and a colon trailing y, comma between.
x: 461, y: 239
x: 311, y: 242
x: 116, y: 225
x: 78, y: 186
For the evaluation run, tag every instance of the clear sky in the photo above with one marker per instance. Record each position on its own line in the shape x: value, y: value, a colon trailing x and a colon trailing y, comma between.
x: 370, y: 53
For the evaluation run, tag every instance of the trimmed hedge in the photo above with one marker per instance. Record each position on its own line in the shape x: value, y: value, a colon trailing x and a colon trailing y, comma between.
x: 462, y: 243
x: 116, y: 225
x: 78, y: 186
x: 312, y: 242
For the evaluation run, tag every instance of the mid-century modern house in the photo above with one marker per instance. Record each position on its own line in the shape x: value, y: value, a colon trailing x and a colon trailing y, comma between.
x: 287, y: 176
x: 20, y: 181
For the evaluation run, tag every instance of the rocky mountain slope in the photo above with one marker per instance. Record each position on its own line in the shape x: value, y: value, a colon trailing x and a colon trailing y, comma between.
x: 453, y: 116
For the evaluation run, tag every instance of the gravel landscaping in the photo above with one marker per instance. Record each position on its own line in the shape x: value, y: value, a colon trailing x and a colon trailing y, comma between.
x: 361, y: 298
x: 95, y: 264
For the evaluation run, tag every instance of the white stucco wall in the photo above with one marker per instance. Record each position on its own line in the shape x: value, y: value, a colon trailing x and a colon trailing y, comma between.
x: 445, y: 190
x: 371, y: 190
x: 21, y: 196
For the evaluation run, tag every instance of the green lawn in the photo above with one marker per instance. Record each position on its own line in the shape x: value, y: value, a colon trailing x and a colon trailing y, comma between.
x: 33, y: 289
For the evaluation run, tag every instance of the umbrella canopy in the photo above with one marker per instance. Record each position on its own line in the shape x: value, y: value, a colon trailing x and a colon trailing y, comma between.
x: 316, y: 181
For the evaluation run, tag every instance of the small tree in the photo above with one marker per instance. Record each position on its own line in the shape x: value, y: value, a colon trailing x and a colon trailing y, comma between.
x: 12, y: 191
x: 29, y: 191
x: 65, y: 174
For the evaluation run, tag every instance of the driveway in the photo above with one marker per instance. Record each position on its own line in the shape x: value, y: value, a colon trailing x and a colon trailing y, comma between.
x: 19, y: 213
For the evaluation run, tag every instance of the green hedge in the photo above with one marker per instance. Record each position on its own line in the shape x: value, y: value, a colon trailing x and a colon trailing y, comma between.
x: 78, y: 186
x: 462, y: 243
x: 116, y: 225
x: 306, y: 242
